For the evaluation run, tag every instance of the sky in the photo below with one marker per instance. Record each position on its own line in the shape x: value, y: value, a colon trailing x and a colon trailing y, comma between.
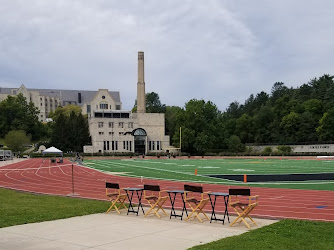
x: 216, y: 50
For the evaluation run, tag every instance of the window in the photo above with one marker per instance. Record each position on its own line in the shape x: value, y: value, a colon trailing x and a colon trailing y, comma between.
x: 153, y: 148
x: 121, y: 124
x: 88, y: 109
x: 158, y: 145
x: 130, y: 124
x: 101, y: 133
x: 149, y: 145
x: 120, y: 133
x: 130, y: 145
x: 41, y: 104
x: 100, y: 124
x: 41, y: 115
x: 103, y: 105
x: 124, y: 145
x: 118, y: 107
x: 106, y: 145
x: 114, y: 145
x: 111, y: 124
x: 111, y: 133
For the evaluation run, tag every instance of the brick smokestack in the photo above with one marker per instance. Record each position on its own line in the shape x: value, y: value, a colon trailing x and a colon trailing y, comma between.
x: 141, y: 98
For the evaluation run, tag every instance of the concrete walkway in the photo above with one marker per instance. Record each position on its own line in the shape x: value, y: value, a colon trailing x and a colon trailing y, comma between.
x: 14, y: 160
x: 113, y: 231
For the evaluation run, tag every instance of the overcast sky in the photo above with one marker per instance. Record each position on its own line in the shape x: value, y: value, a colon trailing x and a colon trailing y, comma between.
x: 215, y: 50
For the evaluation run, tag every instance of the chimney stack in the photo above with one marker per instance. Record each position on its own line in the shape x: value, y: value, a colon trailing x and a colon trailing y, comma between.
x: 141, y: 97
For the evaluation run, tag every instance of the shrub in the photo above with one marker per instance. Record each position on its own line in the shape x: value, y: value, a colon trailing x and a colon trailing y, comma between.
x: 284, y: 149
x: 267, y: 150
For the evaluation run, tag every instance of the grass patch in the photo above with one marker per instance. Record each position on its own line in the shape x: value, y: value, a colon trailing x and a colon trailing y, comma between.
x: 21, y: 208
x: 286, y: 234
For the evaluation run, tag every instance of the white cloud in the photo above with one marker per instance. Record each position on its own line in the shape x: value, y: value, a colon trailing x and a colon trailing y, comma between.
x: 217, y: 50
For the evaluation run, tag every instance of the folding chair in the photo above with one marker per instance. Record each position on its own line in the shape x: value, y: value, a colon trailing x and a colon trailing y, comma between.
x: 115, y: 197
x: 152, y: 194
x: 194, y: 203
x: 242, y: 208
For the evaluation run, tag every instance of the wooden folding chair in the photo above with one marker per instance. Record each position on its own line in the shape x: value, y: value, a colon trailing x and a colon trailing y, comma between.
x: 242, y: 208
x: 116, y: 196
x: 195, y: 203
x: 152, y: 194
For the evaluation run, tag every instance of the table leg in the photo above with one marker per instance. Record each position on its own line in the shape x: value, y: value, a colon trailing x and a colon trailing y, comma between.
x: 139, y: 202
x: 172, y: 201
x: 226, y: 212
x: 184, y: 207
x: 130, y: 201
x: 213, y: 205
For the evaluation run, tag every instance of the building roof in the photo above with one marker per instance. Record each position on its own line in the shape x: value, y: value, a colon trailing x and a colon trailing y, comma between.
x: 67, y: 95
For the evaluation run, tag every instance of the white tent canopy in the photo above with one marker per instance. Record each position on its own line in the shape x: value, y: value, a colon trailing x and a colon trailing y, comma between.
x: 52, y: 150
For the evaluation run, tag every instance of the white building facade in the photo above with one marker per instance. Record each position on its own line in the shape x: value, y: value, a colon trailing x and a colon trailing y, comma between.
x: 112, y: 129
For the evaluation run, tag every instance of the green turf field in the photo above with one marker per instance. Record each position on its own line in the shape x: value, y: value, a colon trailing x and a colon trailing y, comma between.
x: 184, y: 170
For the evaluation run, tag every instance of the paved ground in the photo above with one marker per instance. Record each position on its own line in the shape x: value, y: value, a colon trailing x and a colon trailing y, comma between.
x: 113, y: 231
x: 8, y: 162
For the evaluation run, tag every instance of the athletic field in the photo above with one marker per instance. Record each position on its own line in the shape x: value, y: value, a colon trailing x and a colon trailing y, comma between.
x: 300, y: 173
x: 44, y: 177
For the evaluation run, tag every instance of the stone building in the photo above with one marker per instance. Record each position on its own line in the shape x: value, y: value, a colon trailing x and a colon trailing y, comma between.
x: 112, y: 129
x: 123, y: 131
x: 47, y: 100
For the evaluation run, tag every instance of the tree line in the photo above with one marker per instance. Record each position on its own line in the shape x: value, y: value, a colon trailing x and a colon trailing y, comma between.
x: 20, y: 126
x: 284, y: 116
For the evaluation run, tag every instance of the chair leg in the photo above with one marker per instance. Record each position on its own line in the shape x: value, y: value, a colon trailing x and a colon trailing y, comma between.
x: 193, y: 211
x: 160, y: 207
x: 112, y: 204
x: 157, y: 204
x: 149, y: 211
x: 204, y: 213
x: 197, y: 210
x: 241, y: 218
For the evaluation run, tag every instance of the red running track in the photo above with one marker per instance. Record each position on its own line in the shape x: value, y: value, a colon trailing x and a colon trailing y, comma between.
x: 34, y: 175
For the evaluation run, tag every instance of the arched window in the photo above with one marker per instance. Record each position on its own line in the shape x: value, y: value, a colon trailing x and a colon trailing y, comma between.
x: 139, y: 131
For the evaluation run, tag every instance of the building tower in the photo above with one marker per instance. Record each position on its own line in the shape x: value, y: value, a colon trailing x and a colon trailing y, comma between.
x: 141, y: 98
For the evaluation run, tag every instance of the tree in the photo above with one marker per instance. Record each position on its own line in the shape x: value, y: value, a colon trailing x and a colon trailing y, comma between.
x: 235, y: 145
x: 17, y: 114
x: 244, y: 128
x: 234, y: 110
x: 313, y: 106
x: 66, y: 111
x: 263, y: 122
x: 70, y: 130
x: 325, y: 130
x: 16, y: 140
x: 290, y: 126
x: 199, y: 122
x: 278, y: 90
x: 153, y: 104
x: 172, y: 112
